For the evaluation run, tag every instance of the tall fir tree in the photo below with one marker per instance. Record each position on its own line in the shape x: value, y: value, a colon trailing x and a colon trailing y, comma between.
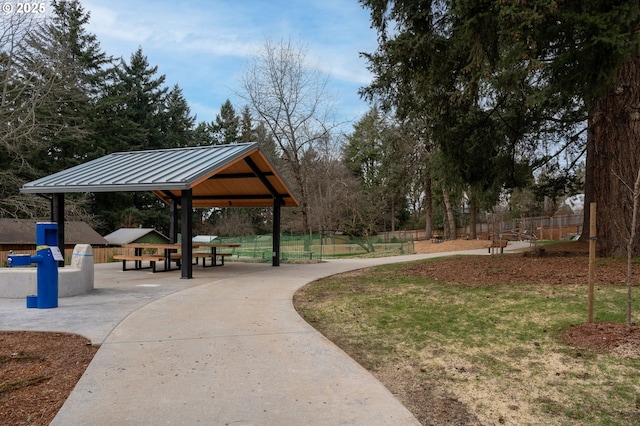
x: 500, y: 77
x: 72, y: 63
x: 177, y: 123
x: 141, y: 94
x: 257, y: 132
x: 132, y: 115
x: 226, y: 126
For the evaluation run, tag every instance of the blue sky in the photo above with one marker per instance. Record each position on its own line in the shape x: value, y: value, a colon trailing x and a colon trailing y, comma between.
x: 203, y: 46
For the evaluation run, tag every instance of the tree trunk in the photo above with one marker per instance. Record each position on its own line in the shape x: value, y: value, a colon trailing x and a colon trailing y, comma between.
x: 589, y: 194
x: 451, y: 220
x: 393, y: 216
x: 473, y: 218
x: 428, y: 204
x: 616, y: 159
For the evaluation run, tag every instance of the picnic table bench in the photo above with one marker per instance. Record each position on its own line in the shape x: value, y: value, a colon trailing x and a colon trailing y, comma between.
x: 168, y: 253
x: 213, y: 257
x: 163, y: 253
x: 213, y: 254
x: 196, y: 255
x: 138, y: 259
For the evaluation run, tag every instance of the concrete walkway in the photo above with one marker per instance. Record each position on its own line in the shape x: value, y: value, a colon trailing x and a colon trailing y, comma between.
x: 226, y: 347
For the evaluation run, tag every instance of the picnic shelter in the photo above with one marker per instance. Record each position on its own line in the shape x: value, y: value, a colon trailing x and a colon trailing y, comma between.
x: 235, y: 175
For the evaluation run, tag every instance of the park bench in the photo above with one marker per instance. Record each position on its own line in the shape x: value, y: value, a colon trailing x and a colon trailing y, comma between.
x: 498, y: 244
x: 138, y: 259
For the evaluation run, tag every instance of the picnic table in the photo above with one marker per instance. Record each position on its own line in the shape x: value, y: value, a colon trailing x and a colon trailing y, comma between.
x: 148, y: 252
x: 213, y: 253
x: 167, y: 253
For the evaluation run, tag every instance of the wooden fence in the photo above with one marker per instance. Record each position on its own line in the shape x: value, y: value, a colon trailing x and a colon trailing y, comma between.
x: 545, y: 228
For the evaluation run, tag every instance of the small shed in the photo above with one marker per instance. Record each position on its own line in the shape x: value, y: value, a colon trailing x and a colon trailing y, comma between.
x: 136, y: 235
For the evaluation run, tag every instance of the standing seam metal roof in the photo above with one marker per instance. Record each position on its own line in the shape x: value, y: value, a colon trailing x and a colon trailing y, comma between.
x: 159, y: 169
x: 166, y: 170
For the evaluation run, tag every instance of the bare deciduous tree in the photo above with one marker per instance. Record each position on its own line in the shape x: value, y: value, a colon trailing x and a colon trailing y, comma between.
x: 21, y: 95
x: 635, y: 205
x: 290, y: 98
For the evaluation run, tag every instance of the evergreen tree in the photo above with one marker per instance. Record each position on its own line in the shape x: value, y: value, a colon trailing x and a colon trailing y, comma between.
x: 226, y: 126
x: 229, y: 128
x: 177, y: 122
x: 202, y: 134
x: 141, y: 97
x: 116, y: 129
x: 134, y: 113
x: 257, y: 133
x: 70, y: 60
x: 247, y: 132
x: 51, y: 71
x: 379, y: 152
x: 497, y: 78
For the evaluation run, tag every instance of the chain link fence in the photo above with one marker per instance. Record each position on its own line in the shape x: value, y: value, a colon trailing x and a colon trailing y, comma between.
x: 317, y: 247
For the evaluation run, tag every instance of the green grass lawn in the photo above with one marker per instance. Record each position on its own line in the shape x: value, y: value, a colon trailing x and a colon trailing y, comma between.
x: 496, y: 348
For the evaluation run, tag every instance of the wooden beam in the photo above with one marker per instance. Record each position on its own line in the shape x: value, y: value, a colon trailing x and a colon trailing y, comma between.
x: 233, y: 197
x: 261, y: 175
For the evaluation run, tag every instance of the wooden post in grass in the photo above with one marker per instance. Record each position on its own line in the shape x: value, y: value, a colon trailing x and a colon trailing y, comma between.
x: 592, y: 259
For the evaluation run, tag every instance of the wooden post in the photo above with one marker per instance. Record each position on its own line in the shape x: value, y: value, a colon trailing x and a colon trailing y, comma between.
x: 592, y: 259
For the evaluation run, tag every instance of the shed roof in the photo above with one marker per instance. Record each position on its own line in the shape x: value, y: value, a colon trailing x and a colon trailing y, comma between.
x: 23, y: 231
x: 129, y: 235
x: 238, y: 175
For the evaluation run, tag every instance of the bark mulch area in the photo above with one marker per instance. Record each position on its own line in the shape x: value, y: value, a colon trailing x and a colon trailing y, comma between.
x: 38, y: 371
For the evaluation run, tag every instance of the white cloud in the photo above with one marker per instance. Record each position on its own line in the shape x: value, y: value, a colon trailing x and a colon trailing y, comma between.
x: 202, y: 45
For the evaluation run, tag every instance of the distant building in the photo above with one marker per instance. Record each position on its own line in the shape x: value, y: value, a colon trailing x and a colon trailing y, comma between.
x: 20, y: 234
x: 136, y: 235
x: 204, y: 238
x: 572, y: 205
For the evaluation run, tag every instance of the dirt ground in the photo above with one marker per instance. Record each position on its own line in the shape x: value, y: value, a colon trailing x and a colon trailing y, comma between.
x: 39, y: 370
x: 426, y: 246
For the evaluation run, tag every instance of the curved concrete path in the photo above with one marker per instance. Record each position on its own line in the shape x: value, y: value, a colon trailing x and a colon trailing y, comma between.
x: 226, y: 347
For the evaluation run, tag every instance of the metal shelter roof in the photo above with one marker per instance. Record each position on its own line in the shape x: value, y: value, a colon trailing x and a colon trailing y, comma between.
x: 238, y: 175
